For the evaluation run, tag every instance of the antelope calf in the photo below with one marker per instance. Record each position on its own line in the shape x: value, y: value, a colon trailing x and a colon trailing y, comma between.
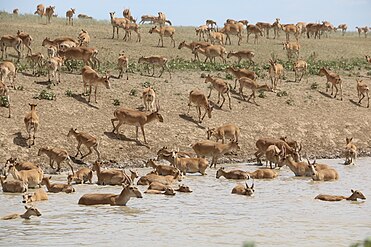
x: 155, y: 60
x: 362, y: 91
x: 214, y: 149
x: 216, y: 37
x: 241, y: 189
x: 274, y: 155
x: 184, y: 188
x: 253, y: 29
x: 69, y: 16
x: 232, y: 29
x: 56, y: 187
x: 239, y: 73
x: 31, y: 121
x: 199, y: 99
x: 91, y: 78
x: 164, y: 32
x: 166, y: 180
x: 149, y: 98
x: 111, y: 176
x: 26, y: 41
x: 57, y: 41
x: 123, y: 64
x: 190, y: 165
x: 244, y: 54
x: 263, y: 174
x: 49, y: 11
x: 54, y: 65
x: 356, y: 194
x: 192, y: 45
x: 168, y: 191
x: 343, y: 28
x: 13, y: 186
x: 201, y: 31
x: 87, y: 139
x: 300, y: 66
x: 221, y: 86
x: 301, y: 168
x: 57, y: 155
x: 8, y: 70
x: 254, y: 86
x: 211, y: 52
x: 230, y: 131
x: 164, y: 170
x: 362, y: 30
x: 4, y: 92
x: 350, y: 151
x: 40, y: 10
x: 128, y: 27
x: 275, y: 73
x: 30, y: 177
x: 335, y: 81
x: 30, y: 211
x: 233, y: 174
x: 84, y: 16
x: 38, y: 195
x: 291, y: 48
x: 10, y: 41
x: 36, y: 60
x: 323, y: 175
x: 83, y: 175
x: 86, y: 54
x: 263, y: 143
x: 21, y: 165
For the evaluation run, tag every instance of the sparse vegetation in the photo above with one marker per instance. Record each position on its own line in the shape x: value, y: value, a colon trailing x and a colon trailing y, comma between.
x: 47, y: 95
x: 4, y: 101
x: 133, y: 92
x: 116, y: 102
x: 69, y: 93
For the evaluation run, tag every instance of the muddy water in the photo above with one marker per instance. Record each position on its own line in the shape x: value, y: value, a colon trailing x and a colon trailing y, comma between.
x: 282, y: 213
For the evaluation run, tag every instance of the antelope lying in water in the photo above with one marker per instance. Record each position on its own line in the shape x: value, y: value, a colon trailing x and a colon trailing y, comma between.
x: 356, y: 194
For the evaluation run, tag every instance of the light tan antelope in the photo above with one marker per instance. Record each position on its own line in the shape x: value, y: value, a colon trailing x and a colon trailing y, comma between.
x: 166, y: 180
x: 66, y: 45
x: 31, y: 121
x: 123, y: 64
x: 232, y: 174
x: 263, y: 174
x: 350, y: 151
x: 82, y: 176
x: 57, y: 155
x: 30, y: 211
x: 84, y: 16
x: 301, y: 169
x: 147, y: 18
x: 300, y: 66
x: 57, y: 41
x: 199, y: 99
x: 21, y: 165
x: 87, y: 139
x: 38, y: 195
x: 10, y: 41
x: 13, y: 186
x: 292, y: 49
x: 211, y: 24
x: 4, y: 93
x: 116, y: 22
x: 211, y: 52
x: 168, y: 191
x: 83, y: 38
x: 276, y: 73
x: 149, y: 98
x: 87, y: 54
x: 36, y: 60
x: 239, y: 73
x: 49, y: 11
x: 241, y: 189
x: 362, y: 30
x: 335, y: 81
x: 184, y: 188
x: 222, y: 87
x: 190, y: 165
x: 290, y: 29
x: 192, y: 45
x: 155, y: 60
x: 134, y: 117
x: 276, y: 28
x: 252, y: 29
x: 54, y: 65
x: 264, y: 26
x: 69, y: 16
x: 157, y: 186
x: 216, y: 37
x: 164, y: 32
x: 30, y: 177
x: 202, y: 31
x: 343, y: 28
x: 362, y: 92
x: 301, y: 28
x: 111, y: 176
x: 214, y: 149
x: 232, y: 29
x: 254, y: 86
x: 274, y: 156
x: 323, y: 175
x: 230, y: 131
x: 163, y: 170
x: 52, y: 51
x: 356, y: 194
x: 91, y: 78
x: 56, y: 187
x: 244, y: 54
x: 128, y: 27
x: 8, y: 70
x: 40, y: 10
x: 263, y: 143
x: 26, y: 41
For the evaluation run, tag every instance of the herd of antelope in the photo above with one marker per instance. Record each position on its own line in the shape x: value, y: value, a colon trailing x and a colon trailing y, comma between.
x: 278, y: 152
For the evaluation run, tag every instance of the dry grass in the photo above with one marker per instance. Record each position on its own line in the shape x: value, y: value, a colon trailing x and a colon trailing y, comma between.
x: 303, y: 113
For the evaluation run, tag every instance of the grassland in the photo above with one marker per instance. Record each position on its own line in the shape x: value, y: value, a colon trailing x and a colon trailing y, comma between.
x: 303, y: 111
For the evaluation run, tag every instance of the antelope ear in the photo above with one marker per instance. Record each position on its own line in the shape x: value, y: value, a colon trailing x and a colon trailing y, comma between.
x: 50, y: 177
x: 26, y: 207
x: 352, y: 190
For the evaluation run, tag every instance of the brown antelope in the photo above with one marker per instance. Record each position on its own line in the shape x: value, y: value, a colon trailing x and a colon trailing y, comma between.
x: 84, y: 16
x: 301, y: 28
x: 83, y: 175
x: 276, y: 28
x: 230, y: 131
x: 199, y: 99
x: 301, y: 169
x: 87, y: 139
x: 10, y: 41
x: 83, y: 38
x: 111, y: 199
x: 31, y: 121
x: 15, y: 12
x: 38, y: 195
x: 232, y: 29
x: 4, y: 92
x: 300, y: 66
x: 87, y: 54
x: 128, y: 27
x: 264, y: 26
x: 165, y: 154
x: 54, y: 65
x: 166, y: 180
x: 56, y: 188
x: 57, y: 155
x: 216, y: 37
x: 147, y: 18
x: 8, y: 70
x: 149, y: 98
x: 362, y: 30
x: 253, y: 85
x: 233, y: 174
x: 201, y: 31
x: 30, y: 177
x: 127, y: 14
x: 49, y: 11
x: 214, y: 149
x: 241, y: 189
x: 252, y: 29
x: 356, y: 194
x: 157, y: 186
x: 221, y: 86
x: 40, y: 10
x: 290, y: 29
x: 57, y: 41
x: 313, y: 28
x: 69, y: 16
x: 292, y: 143
x: 274, y: 156
x: 30, y: 211
x: 343, y: 28
x: 329, y: 174
x: 334, y: 79
x: 350, y: 151
x: 239, y: 73
x: 244, y: 54
x: 276, y: 73
x: 368, y: 59
x: 362, y: 91
x: 91, y: 78
x: 211, y: 52
x: 155, y: 60
x: 164, y: 32
x: 111, y: 176
x: 13, y: 186
x: 263, y: 174
x: 26, y: 41
x: 190, y: 165
x: 35, y: 60
x: 291, y: 48
x: 163, y: 170
x: 184, y: 188
x: 192, y: 45
x: 123, y: 64
x: 21, y: 165
x: 263, y: 143
x: 134, y: 117
x: 211, y: 24
x: 168, y: 191
x: 116, y: 22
